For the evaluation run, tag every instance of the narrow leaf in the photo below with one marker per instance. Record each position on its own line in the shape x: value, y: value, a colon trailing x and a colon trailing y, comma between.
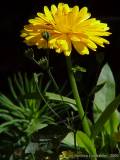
x: 98, y: 126
x: 82, y: 141
x: 57, y: 97
x: 27, y: 85
x: 103, y: 98
x: 107, y: 93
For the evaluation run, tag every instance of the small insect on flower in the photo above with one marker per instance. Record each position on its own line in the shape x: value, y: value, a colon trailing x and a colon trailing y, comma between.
x: 46, y: 35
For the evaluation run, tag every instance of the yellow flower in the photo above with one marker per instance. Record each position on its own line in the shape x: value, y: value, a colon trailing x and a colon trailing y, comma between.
x: 66, y: 27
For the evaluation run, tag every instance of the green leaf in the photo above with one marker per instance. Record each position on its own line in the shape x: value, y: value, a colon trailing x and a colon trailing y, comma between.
x: 107, y: 94
x: 35, y: 125
x: 13, y: 92
x: 57, y: 97
x: 12, y: 88
x: 18, y: 84
x: 69, y: 139
x: 111, y: 125
x: 20, y: 78
x: 96, y: 89
x: 5, y: 126
x: 6, y: 102
x: 98, y: 126
x: 27, y: 86
x: 6, y: 117
x: 32, y: 148
x: 78, y: 69
x: 4, y: 111
x: 103, y: 98
x: 82, y: 141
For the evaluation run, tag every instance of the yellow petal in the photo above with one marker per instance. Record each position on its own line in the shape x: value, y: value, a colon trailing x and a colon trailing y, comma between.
x: 90, y: 44
x: 75, y: 9
x: 80, y: 48
x: 28, y: 28
x: 74, y: 38
x: 53, y: 9
x: 58, y: 50
x: 60, y: 8
x: 36, y: 21
x: 28, y: 37
x: 83, y: 11
x: 48, y: 14
x: 98, y: 33
x: 63, y: 44
x: 67, y: 53
x: 23, y: 34
x: 83, y: 14
x: 99, y: 40
x: 42, y: 16
x: 66, y: 8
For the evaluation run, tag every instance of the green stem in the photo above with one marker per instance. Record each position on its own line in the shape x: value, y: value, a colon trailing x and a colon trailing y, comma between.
x: 53, y: 80
x: 73, y: 84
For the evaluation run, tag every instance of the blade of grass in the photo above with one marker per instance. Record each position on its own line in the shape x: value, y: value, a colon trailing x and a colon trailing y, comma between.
x: 13, y: 93
x: 8, y: 104
x: 41, y: 95
x: 6, y: 117
x: 20, y: 78
x: 4, y: 126
x: 27, y: 85
x: 20, y: 88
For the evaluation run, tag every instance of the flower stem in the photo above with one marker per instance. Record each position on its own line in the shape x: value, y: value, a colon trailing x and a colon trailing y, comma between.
x: 73, y: 84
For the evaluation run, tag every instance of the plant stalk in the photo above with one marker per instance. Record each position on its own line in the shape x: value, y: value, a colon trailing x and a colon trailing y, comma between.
x: 73, y: 84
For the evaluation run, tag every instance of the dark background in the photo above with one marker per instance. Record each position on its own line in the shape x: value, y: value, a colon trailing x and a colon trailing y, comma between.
x: 14, y: 15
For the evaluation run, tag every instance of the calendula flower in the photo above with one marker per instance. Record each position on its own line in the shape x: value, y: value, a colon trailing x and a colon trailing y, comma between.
x: 66, y: 27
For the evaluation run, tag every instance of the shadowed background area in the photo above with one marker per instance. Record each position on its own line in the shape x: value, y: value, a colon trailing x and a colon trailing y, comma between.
x: 14, y: 16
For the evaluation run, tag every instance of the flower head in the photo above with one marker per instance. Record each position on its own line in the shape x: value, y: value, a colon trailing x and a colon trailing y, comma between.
x: 66, y: 27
